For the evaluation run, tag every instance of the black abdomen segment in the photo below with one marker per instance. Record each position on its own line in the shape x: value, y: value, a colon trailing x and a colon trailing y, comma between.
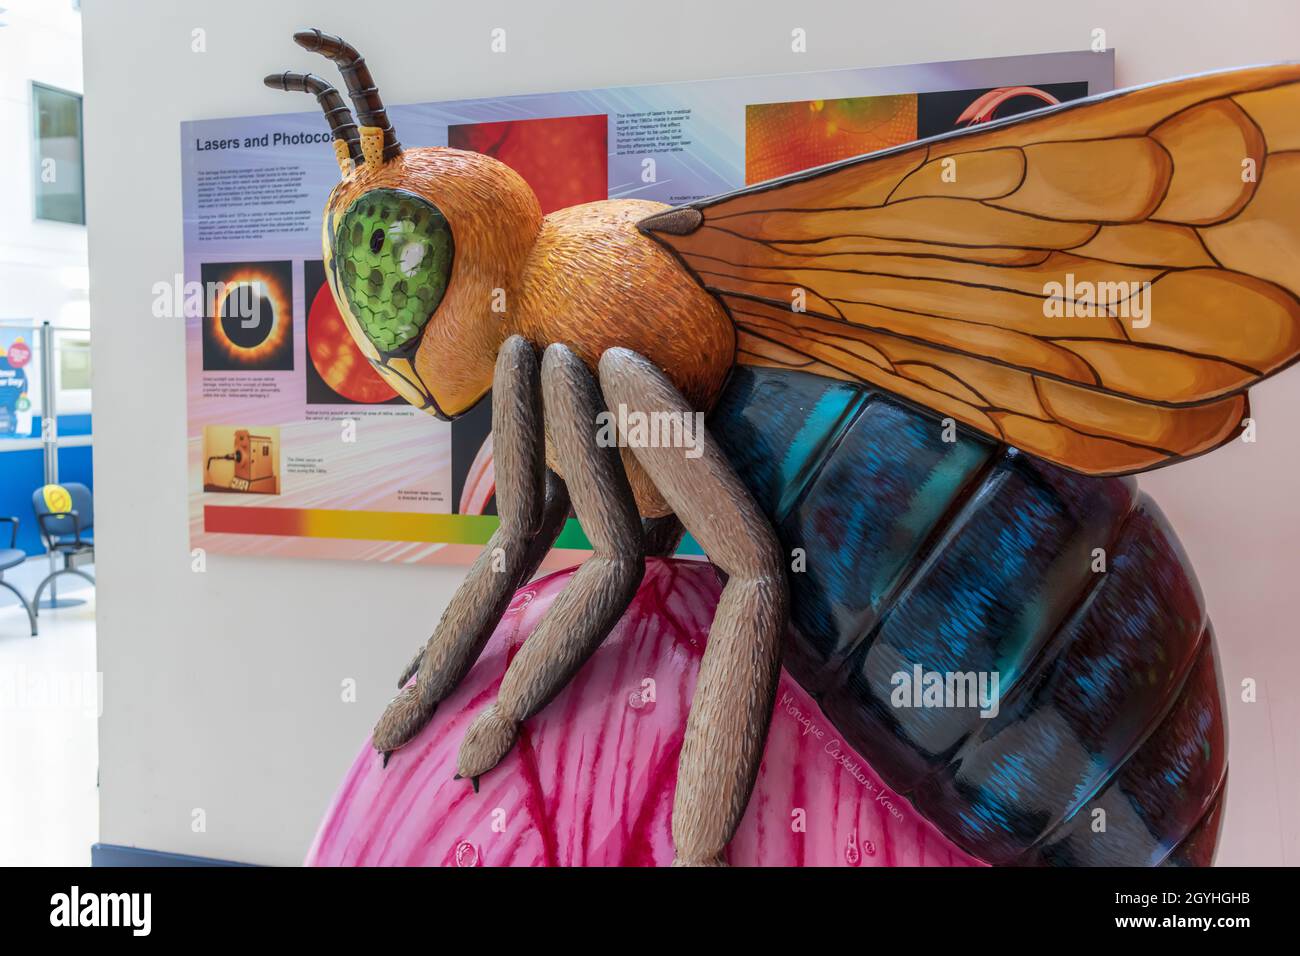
x: 965, y: 558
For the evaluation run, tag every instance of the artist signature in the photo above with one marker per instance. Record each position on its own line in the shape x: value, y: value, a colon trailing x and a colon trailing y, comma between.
x: 841, y: 753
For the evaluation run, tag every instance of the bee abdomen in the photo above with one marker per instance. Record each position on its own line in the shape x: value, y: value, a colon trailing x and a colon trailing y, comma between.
x: 1021, y: 651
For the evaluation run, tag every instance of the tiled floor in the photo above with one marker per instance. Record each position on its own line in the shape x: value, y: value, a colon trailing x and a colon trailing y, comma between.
x: 49, y: 753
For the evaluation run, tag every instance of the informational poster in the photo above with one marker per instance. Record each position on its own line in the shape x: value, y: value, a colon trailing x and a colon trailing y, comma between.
x: 15, y: 386
x: 298, y: 448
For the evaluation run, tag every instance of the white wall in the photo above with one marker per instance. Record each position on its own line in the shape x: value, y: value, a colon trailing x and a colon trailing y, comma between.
x: 42, y: 263
x: 222, y: 688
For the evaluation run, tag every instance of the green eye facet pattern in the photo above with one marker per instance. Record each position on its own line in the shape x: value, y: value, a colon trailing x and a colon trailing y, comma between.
x: 393, y: 252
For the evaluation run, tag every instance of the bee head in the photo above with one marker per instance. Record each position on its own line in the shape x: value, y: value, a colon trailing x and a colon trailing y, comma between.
x: 423, y: 247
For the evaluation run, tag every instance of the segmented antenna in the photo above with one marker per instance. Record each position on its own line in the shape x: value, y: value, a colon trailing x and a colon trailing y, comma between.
x: 337, y: 113
x: 361, y: 85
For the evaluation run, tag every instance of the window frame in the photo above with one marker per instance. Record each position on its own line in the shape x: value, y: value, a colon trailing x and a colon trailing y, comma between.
x: 37, y: 158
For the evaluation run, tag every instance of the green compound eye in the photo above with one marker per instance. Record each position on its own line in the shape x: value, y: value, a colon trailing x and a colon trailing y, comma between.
x: 393, y: 252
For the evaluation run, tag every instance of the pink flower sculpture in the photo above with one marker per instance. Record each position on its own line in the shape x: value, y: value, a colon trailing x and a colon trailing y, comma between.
x: 590, y: 782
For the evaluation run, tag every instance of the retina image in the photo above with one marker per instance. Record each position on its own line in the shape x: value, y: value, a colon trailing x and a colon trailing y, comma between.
x: 337, y: 371
x: 565, y: 159
x: 784, y: 138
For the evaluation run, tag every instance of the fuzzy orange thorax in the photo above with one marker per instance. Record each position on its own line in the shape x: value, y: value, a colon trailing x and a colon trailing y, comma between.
x: 582, y: 276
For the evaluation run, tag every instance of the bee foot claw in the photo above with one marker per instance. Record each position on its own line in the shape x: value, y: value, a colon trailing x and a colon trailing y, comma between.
x: 473, y: 780
x: 486, y: 742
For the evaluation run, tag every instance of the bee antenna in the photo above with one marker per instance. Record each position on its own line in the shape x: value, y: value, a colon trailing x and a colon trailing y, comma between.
x: 361, y: 85
x: 337, y: 113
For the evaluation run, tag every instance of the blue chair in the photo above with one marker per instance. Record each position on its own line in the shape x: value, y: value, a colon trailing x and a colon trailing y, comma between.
x: 66, y: 514
x: 12, y: 557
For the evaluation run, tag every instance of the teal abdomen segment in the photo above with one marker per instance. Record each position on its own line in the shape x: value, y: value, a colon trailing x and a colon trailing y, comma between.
x: 777, y: 429
x: 1008, y: 565
x: 918, y: 550
x: 880, y: 491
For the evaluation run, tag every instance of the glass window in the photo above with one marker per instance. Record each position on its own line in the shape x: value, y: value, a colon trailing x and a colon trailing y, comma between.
x: 74, y: 362
x: 58, y: 172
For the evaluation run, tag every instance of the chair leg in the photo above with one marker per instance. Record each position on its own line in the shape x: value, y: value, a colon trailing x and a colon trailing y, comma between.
x: 31, y: 614
x: 51, y: 576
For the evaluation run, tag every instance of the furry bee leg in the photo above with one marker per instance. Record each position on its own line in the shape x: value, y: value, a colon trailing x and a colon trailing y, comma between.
x: 662, y: 536
x: 736, y: 687
x: 532, y: 507
x: 555, y: 512
x: 602, y: 588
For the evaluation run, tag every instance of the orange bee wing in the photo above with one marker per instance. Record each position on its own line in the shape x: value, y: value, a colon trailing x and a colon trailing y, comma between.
x: 1096, y: 283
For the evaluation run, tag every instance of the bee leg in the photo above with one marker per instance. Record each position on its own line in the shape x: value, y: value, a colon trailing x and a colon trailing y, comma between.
x: 532, y: 504
x: 555, y: 512
x: 662, y: 536
x: 736, y: 687
x: 598, y: 594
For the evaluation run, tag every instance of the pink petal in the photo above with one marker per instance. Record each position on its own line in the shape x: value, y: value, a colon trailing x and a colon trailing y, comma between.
x: 590, y: 782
